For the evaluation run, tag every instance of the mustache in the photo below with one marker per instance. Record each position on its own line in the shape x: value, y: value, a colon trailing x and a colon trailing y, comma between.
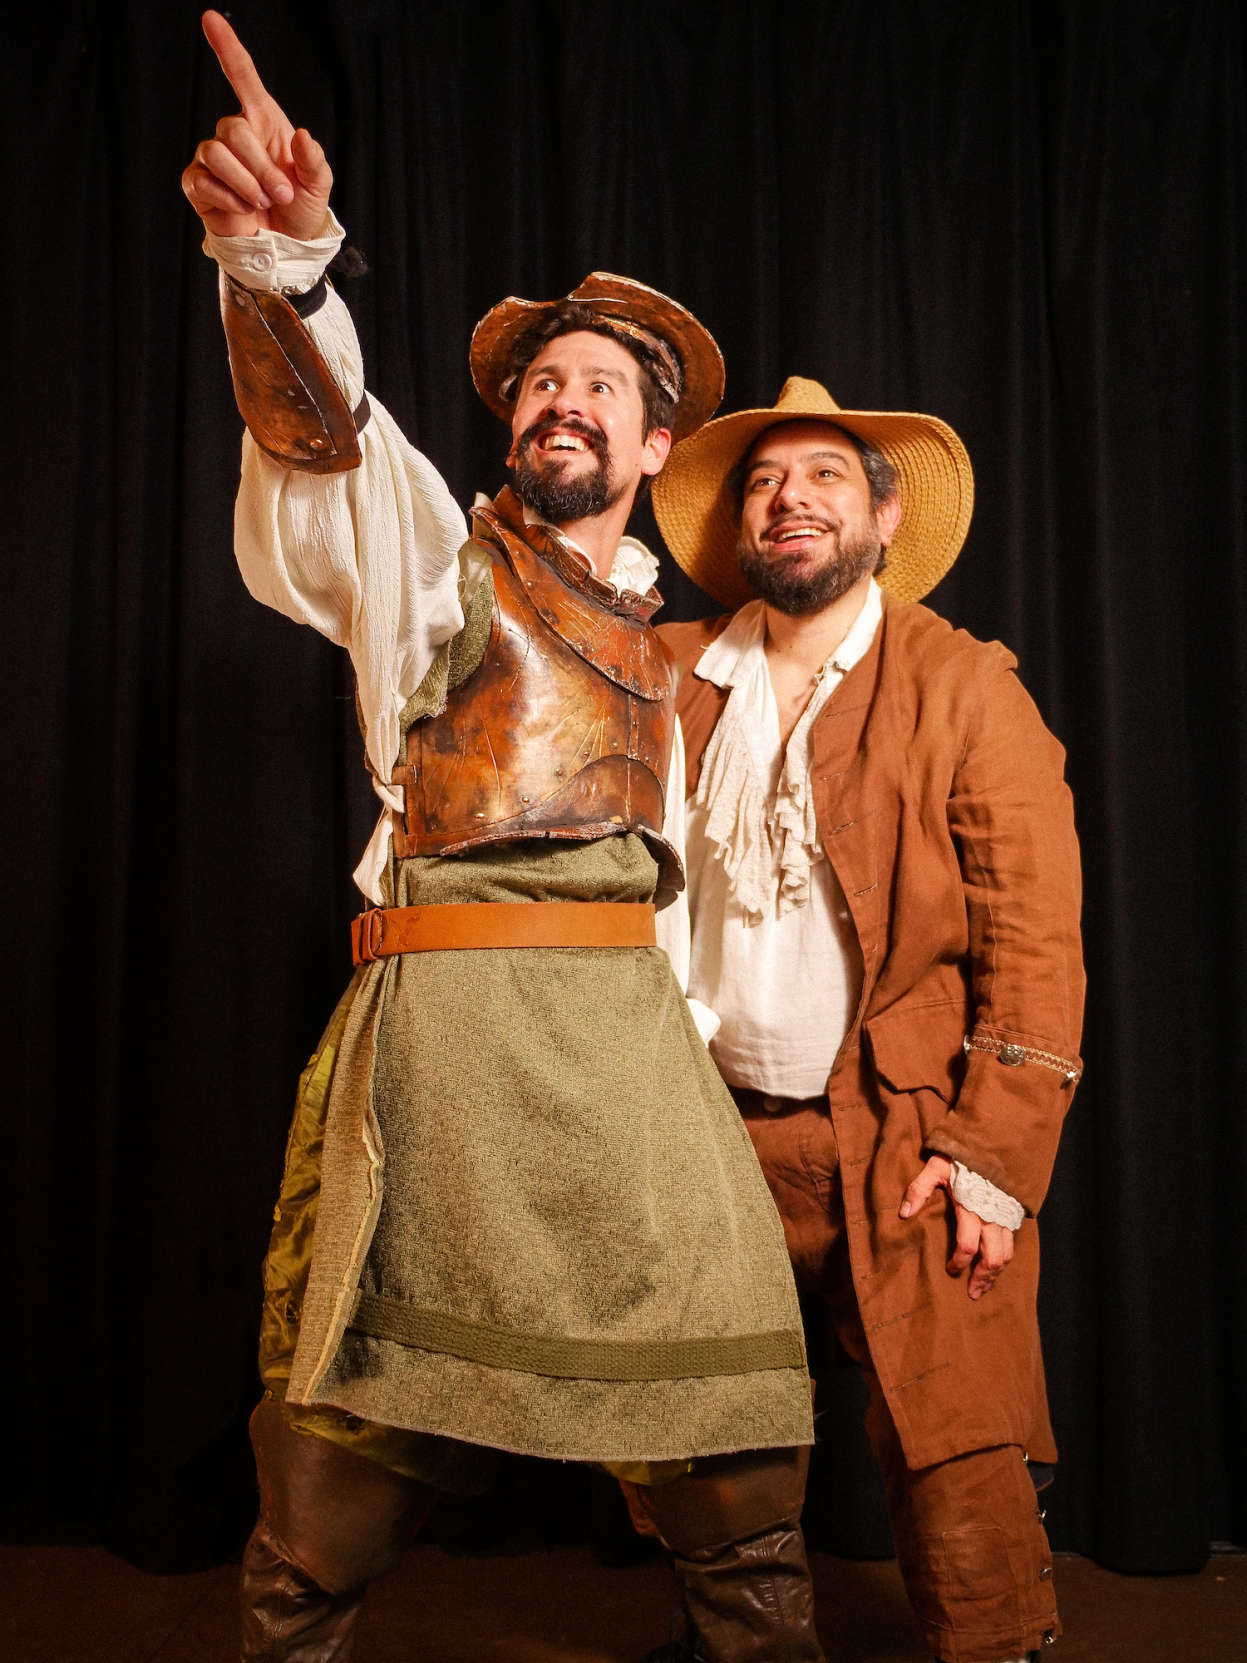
x: 593, y: 436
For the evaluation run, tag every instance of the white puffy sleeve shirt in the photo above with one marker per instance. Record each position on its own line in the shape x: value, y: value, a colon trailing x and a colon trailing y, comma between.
x: 370, y: 557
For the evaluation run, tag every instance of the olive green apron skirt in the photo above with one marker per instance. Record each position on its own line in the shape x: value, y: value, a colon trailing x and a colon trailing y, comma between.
x: 520, y: 1210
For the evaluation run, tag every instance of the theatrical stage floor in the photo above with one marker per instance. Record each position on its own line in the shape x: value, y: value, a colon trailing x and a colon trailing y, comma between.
x: 82, y: 1605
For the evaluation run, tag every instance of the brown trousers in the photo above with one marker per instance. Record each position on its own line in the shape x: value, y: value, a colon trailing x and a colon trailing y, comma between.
x: 968, y: 1532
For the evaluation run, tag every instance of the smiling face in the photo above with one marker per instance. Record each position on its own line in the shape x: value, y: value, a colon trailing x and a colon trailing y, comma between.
x: 808, y: 529
x: 579, y: 429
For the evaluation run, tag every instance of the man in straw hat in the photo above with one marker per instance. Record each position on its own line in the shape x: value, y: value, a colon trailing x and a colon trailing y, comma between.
x: 884, y: 884
x: 519, y: 1208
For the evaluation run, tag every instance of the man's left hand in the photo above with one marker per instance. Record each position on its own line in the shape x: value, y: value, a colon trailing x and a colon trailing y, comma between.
x: 986, y: 1247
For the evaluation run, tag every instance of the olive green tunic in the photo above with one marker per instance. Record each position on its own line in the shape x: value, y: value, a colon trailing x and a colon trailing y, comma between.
x: 531, y: 1169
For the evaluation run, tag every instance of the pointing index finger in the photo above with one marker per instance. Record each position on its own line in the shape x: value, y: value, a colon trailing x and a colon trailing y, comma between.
x: 236, y: 62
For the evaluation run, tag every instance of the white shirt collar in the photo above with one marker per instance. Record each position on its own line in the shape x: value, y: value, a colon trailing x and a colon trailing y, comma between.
x: 734, y: 655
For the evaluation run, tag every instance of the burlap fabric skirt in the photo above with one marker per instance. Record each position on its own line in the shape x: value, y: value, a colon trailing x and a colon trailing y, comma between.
x: 520, y: 1208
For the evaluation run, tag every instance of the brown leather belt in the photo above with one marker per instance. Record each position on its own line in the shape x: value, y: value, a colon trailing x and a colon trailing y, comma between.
x: 384, y: 931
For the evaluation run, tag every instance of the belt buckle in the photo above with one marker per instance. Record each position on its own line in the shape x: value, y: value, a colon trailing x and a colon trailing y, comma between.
x: 371, y: 934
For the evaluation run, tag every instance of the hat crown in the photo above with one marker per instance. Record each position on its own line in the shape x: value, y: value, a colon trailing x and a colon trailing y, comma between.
x: 806, y: 397
x: 684, y: 346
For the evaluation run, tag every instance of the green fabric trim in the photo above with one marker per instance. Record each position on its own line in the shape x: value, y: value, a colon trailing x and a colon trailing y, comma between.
x: 468, y: 647
x: 428, y: 698
x: 456, y: 660
x: 390, y: 1319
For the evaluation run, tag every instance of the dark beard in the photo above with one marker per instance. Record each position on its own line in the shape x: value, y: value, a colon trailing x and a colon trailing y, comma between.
x: 555, y: 498
x: 800, y: 595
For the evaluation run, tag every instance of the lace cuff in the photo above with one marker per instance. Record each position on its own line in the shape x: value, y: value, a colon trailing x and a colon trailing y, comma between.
x: 992, y: 1205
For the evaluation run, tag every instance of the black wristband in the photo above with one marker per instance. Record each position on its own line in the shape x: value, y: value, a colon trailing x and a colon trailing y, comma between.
x: 312, y: 299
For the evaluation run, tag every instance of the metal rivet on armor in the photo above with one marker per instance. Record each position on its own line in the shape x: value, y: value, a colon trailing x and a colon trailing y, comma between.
x: 480, y: 817
x: 318, y: 444
x: 525, y: 799
x: 1012, y: 1055
x: 1045, y: 1573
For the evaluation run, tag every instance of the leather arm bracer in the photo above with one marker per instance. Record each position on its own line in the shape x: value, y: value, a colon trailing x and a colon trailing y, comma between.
x: 290, y: 402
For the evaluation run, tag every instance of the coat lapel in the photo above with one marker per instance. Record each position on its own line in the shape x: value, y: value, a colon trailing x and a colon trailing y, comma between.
x: 848, y: 816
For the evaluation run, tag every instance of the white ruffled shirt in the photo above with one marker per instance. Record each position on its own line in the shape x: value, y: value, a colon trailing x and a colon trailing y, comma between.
x: 371, y: 559
x: 774, y: 951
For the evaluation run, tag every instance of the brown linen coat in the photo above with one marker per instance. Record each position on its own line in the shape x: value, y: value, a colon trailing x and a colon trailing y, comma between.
x: 942, y: 807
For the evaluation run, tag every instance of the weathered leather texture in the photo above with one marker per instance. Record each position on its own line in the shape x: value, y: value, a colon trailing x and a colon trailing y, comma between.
x: 383, y: 932
x: 288, y: 1618
x: 753, y: 1601
x: 564, y: 729
x: 288, y: 399
x: 723, y: 1500
x: 732, y: 1527
x: 330, y: 1522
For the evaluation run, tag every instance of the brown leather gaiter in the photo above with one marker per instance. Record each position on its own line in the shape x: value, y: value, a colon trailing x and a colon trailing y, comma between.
x: 732, y: 1526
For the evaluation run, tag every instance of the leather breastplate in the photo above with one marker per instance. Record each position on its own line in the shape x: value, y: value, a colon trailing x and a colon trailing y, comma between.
x: 563, y: 730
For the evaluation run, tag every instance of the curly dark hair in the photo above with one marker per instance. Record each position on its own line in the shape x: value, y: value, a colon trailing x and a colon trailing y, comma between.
x: 570, y: 317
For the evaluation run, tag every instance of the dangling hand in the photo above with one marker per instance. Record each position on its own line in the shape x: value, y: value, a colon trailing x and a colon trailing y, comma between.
x: 988, y: 1247
x: 259, y: 172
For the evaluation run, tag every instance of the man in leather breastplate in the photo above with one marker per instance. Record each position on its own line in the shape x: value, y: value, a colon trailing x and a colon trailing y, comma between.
x: 519, y: 1208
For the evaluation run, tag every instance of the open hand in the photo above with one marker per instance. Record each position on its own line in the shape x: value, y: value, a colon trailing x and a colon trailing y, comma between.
x: 259, y: 172
x: 987, y: 1247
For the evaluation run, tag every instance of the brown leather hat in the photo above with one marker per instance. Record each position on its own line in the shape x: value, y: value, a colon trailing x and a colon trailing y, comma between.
x: 691, y: 365
x: 701, y: 525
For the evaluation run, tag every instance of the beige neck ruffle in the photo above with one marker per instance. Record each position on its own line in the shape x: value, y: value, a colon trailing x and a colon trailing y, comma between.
x: 766, y: 835
x: 758, y: 799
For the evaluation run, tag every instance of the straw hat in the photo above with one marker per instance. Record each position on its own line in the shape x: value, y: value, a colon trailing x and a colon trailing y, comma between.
x: 699, y: 521
x: 690, y: 365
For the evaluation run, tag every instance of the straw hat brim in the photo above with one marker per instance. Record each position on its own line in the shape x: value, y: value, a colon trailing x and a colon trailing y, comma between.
x: 495, y: 336
x: 698, y: 519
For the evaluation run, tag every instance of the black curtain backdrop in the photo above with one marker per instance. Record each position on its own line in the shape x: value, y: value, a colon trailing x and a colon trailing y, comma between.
x: 1026, y: 218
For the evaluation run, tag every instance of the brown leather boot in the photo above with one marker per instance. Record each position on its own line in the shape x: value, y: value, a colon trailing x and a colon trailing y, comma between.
x: 739, y: 1558
x: 752, y: 1601
x: 330, y: 1521
x: 288, y: 1618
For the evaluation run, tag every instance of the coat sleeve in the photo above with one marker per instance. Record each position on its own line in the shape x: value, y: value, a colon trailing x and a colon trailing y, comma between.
x: 1011, y: 818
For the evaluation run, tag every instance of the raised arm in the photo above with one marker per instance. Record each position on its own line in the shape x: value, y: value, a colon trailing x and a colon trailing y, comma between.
x: 340, y: 522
